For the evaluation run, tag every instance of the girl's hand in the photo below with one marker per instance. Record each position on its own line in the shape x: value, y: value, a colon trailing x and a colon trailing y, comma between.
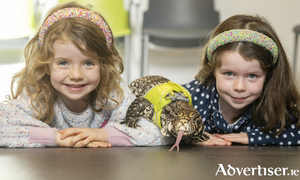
x: 88, y: 137
x: 241, y: 138
x: 97, y: 144
x: 63, y: 142
x: 66, y: 142
x: 213, y: 141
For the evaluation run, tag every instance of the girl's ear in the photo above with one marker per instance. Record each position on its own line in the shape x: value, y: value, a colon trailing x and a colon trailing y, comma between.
x: 48, y: 70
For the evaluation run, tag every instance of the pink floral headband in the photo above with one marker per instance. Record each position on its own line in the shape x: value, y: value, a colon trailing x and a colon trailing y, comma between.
x: 245, y: 35
x: 74, y: 12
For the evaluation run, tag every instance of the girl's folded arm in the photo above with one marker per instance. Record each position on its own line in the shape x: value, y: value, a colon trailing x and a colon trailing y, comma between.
x: 148, y: 134
x: 19, y: 128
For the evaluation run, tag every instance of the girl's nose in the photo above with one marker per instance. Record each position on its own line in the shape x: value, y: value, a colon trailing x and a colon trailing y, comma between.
x: 239, y: 85
x: 76, y: 73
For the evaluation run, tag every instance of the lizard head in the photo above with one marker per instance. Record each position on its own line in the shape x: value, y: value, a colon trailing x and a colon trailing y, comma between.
x: 180, y: 116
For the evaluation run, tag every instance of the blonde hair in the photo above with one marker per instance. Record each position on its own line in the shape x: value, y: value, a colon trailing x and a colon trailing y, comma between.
x: 34, y: 80
x: 280, y: 97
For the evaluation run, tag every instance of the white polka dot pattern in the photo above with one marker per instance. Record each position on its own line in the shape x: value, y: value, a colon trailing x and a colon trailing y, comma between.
x: 205, y: 100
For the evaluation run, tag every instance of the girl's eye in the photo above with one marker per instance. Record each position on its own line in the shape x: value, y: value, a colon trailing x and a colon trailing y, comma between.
x: 228, y: 74
x: 89, y: 63
x: 252, y: 76
x: 63, y: 63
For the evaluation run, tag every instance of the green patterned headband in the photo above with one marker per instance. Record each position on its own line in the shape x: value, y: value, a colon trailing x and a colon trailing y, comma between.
x: 245, y: 35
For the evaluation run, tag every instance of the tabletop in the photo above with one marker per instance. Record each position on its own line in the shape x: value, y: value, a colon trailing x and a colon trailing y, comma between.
x: 151, y: 163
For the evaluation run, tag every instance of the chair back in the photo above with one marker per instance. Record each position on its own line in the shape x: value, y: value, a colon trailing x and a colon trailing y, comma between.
x: 17, y: 26
x: 113, y: 12
x: 181, y: 14
x: 18, y: 22
x: 177, y: 24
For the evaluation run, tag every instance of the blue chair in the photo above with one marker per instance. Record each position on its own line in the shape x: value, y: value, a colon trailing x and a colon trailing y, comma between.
x: 177, y: 23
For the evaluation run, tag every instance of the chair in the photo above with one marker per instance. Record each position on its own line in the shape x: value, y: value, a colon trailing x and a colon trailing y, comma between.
x: 16, y: 28
x: 177, y: 23
x: 118, y: 20
x: 296, y: 31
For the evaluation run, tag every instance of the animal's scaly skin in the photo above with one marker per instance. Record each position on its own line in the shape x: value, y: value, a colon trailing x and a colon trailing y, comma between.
x: 177, y: 115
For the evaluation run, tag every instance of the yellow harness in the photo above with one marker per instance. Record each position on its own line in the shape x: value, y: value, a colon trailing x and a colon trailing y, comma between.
x: 163, y: 94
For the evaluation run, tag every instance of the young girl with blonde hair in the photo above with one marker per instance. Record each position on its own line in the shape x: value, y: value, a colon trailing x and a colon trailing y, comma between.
x: 70, y: 92
x: 245, y: 90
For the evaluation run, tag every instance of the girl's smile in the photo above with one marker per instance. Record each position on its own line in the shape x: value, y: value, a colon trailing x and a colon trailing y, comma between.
x: 238, y: 99
x: 75, y: 87
x: 73, y: 74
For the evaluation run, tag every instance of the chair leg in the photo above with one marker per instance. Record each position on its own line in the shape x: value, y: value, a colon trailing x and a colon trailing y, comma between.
x: 145, y: 56
x: 127, y: 58
x: 295, y: 54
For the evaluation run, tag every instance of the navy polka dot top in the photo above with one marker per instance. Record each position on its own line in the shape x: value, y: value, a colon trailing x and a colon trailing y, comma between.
x: 205, y: 100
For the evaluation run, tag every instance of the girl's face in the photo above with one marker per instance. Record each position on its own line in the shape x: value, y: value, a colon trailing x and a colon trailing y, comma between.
x: 239, y: 82
x: 73, y: 75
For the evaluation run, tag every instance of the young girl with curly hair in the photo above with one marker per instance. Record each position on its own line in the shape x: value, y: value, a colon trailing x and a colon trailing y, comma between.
x: 70, y: 92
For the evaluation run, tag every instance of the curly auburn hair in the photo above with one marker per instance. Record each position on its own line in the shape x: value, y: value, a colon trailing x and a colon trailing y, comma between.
x: 36, y: 82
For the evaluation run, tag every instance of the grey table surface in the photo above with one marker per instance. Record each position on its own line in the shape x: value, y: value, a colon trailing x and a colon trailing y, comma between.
x: 153, y: 163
